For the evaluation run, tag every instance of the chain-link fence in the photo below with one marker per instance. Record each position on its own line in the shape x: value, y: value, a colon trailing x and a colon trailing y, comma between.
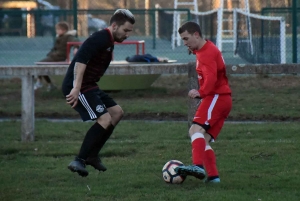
x: 27, y: 34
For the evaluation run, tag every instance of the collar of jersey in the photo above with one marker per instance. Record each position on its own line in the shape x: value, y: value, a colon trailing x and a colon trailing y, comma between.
x: 111, y: 37
x: 202, y: 48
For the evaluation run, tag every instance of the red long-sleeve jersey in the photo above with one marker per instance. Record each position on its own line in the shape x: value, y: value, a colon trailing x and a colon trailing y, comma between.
x: 211, y: 71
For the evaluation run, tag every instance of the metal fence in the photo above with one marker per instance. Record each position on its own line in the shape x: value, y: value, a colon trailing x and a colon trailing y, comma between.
x: 292, y: 30
x: 26, y: 36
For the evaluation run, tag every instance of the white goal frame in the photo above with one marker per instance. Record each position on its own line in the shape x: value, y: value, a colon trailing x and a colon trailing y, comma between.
x: 209, y: 13
x: 261, y: 17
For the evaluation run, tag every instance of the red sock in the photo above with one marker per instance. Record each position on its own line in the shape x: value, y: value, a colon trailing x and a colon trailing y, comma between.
x: 198, y: 148
x: 210, y: 162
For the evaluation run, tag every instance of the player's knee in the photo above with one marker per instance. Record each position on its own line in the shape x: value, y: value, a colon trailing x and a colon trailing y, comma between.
x: 208, y: 138
x: 195, y: 128
x: 105, y: 120
x: 120, y: 114
x: 116, y: 113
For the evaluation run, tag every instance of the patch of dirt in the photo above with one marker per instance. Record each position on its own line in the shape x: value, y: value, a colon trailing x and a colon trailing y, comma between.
x: 266, y: 82
x: 244, y: 117
x: 163, y: 116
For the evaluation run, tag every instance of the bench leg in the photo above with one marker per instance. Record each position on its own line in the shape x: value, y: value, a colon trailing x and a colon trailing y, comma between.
x: 27, y: 108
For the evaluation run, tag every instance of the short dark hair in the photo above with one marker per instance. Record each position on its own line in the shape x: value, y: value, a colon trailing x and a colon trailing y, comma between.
x: 190, y: 27
x: 63, y: 25
x: 121, y: 16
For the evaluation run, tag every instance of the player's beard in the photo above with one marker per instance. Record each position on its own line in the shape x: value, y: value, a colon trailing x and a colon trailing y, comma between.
x: 118, y: 38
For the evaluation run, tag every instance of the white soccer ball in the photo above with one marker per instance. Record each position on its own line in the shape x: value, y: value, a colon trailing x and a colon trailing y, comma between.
x: 169, y: 174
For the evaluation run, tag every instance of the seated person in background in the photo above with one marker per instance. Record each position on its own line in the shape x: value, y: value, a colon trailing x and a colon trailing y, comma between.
x: 58, y: 52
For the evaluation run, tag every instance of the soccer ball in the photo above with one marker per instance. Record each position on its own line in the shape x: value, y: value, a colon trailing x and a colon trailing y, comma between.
x: 169, y: 174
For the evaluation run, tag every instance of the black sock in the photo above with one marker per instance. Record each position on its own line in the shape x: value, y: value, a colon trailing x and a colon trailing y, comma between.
x: 98, y: 146
x: 93, y: 136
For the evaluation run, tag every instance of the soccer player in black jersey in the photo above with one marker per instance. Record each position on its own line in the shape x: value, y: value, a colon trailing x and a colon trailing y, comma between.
x: 83, y: 94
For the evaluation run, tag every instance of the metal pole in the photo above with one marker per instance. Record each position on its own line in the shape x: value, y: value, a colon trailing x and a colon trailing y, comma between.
x: 294, y: 28
x: 153, y: 14
x: 147, y: 6
x: 75, y: 15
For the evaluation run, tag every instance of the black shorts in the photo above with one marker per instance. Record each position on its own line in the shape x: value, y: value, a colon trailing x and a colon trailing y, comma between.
x: 92, y: 104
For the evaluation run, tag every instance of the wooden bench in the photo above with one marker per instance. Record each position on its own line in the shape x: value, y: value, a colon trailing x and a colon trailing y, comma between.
x: 27, y: 74
x: 51, y: 63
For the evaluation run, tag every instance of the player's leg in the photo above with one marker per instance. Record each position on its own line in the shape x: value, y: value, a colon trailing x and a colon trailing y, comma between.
x: 39, y: 83
x: 211, y: 165
x: 93, y: 135
x: 196, y: 133
x: 116, y: 113
x: 92, y: 158
x: 47, y: 79
x: 210, y: 160
x: 50, y: 85
x: 222, y: 109
x: 90, y: 107
x: 202, y: 122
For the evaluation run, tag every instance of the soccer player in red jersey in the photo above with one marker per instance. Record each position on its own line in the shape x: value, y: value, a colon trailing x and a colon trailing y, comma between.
x: 216, y: 103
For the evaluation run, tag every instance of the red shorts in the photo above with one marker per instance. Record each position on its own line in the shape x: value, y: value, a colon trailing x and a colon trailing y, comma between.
x: 212, y: 113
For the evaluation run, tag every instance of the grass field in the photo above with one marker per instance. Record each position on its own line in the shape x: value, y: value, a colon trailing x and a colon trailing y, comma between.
x: 256, y: 162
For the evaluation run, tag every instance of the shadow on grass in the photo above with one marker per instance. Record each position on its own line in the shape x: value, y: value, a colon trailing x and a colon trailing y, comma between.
x: 119, y: 153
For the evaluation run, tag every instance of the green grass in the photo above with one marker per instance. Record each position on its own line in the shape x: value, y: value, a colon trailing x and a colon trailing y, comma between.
x: 266, y: 98
x: 256, y: 162
x: 254, y: 98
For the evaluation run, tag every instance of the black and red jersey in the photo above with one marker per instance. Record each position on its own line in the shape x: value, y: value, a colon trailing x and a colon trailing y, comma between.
x: 96, y: 52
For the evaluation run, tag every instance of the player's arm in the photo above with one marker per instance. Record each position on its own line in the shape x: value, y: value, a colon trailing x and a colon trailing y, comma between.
x: 72, y: 98
x: 210, y: 77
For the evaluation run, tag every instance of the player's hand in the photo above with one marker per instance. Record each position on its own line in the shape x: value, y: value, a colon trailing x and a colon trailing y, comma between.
x: 72, y: 98
x: 194, y: 93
